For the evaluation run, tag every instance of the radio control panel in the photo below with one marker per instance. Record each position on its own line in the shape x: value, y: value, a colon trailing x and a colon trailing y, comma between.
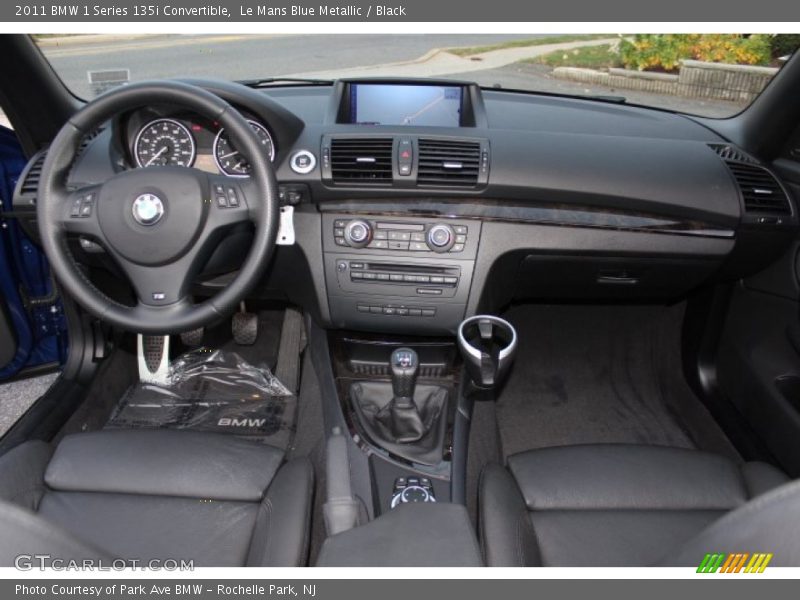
x: 394, y: 273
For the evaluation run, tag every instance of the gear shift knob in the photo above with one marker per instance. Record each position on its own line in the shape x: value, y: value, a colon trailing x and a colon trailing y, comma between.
x: 404, y: 365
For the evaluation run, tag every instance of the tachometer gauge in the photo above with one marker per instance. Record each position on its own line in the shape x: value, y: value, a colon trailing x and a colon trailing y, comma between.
x: 164, y: 142
x: 228, y: 158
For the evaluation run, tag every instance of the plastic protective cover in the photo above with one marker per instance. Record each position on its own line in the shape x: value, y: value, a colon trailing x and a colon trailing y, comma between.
x: 210, y: 390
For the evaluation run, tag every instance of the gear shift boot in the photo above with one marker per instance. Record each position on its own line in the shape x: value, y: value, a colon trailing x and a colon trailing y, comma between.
x: 402, y: 417
x: 414, y: 429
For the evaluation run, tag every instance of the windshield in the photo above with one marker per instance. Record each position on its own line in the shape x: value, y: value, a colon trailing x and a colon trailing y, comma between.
x: 714, y: 75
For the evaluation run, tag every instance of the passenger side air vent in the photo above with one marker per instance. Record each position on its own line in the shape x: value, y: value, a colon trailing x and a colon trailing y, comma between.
x: 27, y: 188
x: 448, y: 163
x: 361, y: 161
x: 760, y: 190
x: 729, y: 152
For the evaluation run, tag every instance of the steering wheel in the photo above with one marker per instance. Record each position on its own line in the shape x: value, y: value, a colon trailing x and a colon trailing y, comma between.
x: 159, y: 224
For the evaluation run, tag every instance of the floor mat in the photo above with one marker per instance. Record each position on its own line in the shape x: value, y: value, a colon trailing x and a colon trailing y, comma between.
x: 18, y: 396
x: 601, y: 374
x: 230, y: 389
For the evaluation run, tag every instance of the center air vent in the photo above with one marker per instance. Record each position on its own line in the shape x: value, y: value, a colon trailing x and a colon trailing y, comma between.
x: 761, y: 192
x: 448, y: 163
x: 361, y: 161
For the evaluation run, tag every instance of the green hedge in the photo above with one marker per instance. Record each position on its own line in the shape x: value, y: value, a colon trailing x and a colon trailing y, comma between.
x: 663, y: 52
x: 784, y: 44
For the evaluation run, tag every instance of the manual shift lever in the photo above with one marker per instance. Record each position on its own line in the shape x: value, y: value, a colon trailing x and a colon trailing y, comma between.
x: 407, y: 419
x: 403, y: 415
x: 404, y: 365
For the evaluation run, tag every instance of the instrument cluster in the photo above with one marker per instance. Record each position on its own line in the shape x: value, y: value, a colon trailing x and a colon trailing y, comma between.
x: 162, y: 138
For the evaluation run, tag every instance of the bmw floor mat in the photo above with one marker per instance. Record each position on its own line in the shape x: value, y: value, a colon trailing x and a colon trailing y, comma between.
x: 212, y: 390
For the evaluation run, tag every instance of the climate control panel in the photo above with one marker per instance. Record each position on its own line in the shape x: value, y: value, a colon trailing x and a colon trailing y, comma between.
x: 416, y: 237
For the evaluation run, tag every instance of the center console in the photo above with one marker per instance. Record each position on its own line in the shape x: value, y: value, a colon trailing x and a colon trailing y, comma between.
x: 388, y: 273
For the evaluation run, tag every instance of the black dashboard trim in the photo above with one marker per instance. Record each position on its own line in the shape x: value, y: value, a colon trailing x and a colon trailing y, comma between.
x: 534, y: 214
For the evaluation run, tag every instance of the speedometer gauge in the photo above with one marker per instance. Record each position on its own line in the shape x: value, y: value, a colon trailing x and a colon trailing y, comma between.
x: 228, y: 158
x: 164, y: 142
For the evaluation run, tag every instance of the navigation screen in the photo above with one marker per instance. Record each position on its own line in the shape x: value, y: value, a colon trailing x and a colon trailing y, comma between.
x: 388, y: 104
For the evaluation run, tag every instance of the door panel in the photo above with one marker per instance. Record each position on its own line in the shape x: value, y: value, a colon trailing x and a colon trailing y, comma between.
x: 758, y: 364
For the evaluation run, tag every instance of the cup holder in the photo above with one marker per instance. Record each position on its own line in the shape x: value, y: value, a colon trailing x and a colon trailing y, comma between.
x: 488, y: 345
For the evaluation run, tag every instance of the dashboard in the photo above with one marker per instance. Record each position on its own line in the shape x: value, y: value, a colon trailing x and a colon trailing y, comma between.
x: 415, y: 203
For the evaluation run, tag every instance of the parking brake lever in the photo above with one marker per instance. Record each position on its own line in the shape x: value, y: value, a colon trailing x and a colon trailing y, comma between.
x: 341, y: 510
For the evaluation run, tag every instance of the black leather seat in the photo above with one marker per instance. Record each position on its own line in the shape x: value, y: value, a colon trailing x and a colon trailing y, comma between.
x: 626, y: 505
x: 155, y: 494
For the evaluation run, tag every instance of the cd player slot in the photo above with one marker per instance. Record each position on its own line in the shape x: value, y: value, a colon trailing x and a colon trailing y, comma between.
x: 408, y: 268
x: 401, y: 274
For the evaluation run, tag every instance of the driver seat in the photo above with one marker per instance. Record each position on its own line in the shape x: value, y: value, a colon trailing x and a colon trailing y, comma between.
x: 149, y: 495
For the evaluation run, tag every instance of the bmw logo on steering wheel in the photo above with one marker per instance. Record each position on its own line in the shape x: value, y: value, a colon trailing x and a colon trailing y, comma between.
x: 148, y: 209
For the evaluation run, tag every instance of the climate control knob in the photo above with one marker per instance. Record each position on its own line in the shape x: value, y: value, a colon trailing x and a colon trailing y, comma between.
x: 358, y: 233
x: 441, y: 238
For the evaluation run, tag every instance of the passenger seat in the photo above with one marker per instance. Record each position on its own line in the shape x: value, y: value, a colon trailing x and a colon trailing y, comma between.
x: 629, y: 505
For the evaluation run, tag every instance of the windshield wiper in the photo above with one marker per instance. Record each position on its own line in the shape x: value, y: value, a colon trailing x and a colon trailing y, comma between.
x: 267, y: 81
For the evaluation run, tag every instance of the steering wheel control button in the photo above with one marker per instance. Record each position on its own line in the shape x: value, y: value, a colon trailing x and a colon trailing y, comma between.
x: 303, y: 162
x: 147, y: 209
x: 82, y: 207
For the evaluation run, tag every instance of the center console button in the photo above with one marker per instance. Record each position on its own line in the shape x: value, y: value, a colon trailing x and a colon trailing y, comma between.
x: 379, y: 244
x: 440, y: 237
x: 358, y: 233
x: 398, y: 245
